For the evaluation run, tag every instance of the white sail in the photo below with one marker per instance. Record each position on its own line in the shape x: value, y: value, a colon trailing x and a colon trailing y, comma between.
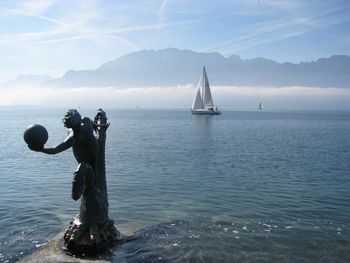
x: 261, y: 106
x: 198, y: 102
x: 206, y: 94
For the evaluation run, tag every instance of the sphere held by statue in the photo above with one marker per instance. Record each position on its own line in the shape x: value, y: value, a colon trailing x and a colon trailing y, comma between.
x: 36, y: 135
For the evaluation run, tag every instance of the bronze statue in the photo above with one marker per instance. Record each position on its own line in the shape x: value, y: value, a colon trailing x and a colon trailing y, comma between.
x: 92, y: 231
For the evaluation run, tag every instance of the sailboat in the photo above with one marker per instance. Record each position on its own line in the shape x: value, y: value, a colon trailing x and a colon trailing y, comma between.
x: 261, y: 107
x: 203, y: 101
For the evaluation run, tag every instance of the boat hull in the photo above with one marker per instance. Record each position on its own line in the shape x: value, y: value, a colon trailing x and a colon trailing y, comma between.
x: 206, y: 112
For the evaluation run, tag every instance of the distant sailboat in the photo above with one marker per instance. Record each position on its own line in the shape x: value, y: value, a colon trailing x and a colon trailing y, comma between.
x: 261, y: 107
x: 203, y: 101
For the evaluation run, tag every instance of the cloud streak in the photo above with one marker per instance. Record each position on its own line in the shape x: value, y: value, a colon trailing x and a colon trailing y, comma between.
x: 80, y: 31
x: 71, y: 31
x: 292, y: 23
x: 162, y: 12
x: 37, y: 6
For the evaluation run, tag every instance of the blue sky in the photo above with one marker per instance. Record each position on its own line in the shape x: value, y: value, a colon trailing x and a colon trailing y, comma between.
x: 53, y: 36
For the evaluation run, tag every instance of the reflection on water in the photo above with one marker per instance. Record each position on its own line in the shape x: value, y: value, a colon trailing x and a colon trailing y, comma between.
x: 239, y: 187
x: 202, y: 122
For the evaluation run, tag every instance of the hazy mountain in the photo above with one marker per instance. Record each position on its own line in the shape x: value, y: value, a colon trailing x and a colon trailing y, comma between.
x: 173, y: 67
x: 22, y: 80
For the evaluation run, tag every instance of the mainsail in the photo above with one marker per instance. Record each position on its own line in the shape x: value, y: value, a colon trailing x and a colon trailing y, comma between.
x: 206, y: 94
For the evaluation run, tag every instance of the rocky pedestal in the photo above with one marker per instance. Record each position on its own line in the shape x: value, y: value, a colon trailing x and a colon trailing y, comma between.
x: 78, y: 240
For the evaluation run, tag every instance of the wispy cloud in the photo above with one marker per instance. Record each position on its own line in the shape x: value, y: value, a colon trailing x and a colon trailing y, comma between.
x: 37, y: 6
x: 287, y: 26
x: 162, y: 13
x: 77, y: 30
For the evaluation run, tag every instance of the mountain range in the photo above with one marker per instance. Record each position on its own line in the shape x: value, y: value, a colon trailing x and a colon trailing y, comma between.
x: 168, y: 67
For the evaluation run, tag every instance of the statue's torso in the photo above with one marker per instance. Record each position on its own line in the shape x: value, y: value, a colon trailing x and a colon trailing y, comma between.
x: 85, y: 147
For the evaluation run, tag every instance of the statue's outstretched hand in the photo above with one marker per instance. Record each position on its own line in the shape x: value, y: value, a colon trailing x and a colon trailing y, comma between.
x: 36, y: 148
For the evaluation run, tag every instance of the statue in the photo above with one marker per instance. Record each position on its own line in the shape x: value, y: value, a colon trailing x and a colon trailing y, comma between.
x: 92, y: 231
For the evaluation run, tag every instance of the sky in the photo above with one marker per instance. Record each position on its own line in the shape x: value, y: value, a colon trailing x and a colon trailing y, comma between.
x: 53, y: 36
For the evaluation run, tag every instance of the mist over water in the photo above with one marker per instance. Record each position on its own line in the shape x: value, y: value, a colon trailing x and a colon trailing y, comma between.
x: 240, y: 187
x: 225, y: 97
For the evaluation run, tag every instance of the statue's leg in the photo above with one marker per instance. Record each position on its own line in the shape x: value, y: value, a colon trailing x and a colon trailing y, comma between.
x: 89, y: 209
x: 78, y: 183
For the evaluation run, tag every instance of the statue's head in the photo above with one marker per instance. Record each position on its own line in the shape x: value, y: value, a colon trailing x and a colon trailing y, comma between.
x: 72, y: 118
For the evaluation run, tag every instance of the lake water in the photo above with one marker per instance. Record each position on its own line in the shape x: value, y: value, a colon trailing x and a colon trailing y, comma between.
x: 240, y: 187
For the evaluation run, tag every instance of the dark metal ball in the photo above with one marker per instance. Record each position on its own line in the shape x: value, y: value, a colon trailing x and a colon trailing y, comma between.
x: 36, y: 135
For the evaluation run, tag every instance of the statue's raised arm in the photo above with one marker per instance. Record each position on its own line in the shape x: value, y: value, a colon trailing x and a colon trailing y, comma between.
x: 66, y: 144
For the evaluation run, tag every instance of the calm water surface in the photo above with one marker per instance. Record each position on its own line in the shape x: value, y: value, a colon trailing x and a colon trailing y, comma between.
x: 240, y: 187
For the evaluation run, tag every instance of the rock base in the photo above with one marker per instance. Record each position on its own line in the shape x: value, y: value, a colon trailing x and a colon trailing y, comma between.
x: 83, y: 240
